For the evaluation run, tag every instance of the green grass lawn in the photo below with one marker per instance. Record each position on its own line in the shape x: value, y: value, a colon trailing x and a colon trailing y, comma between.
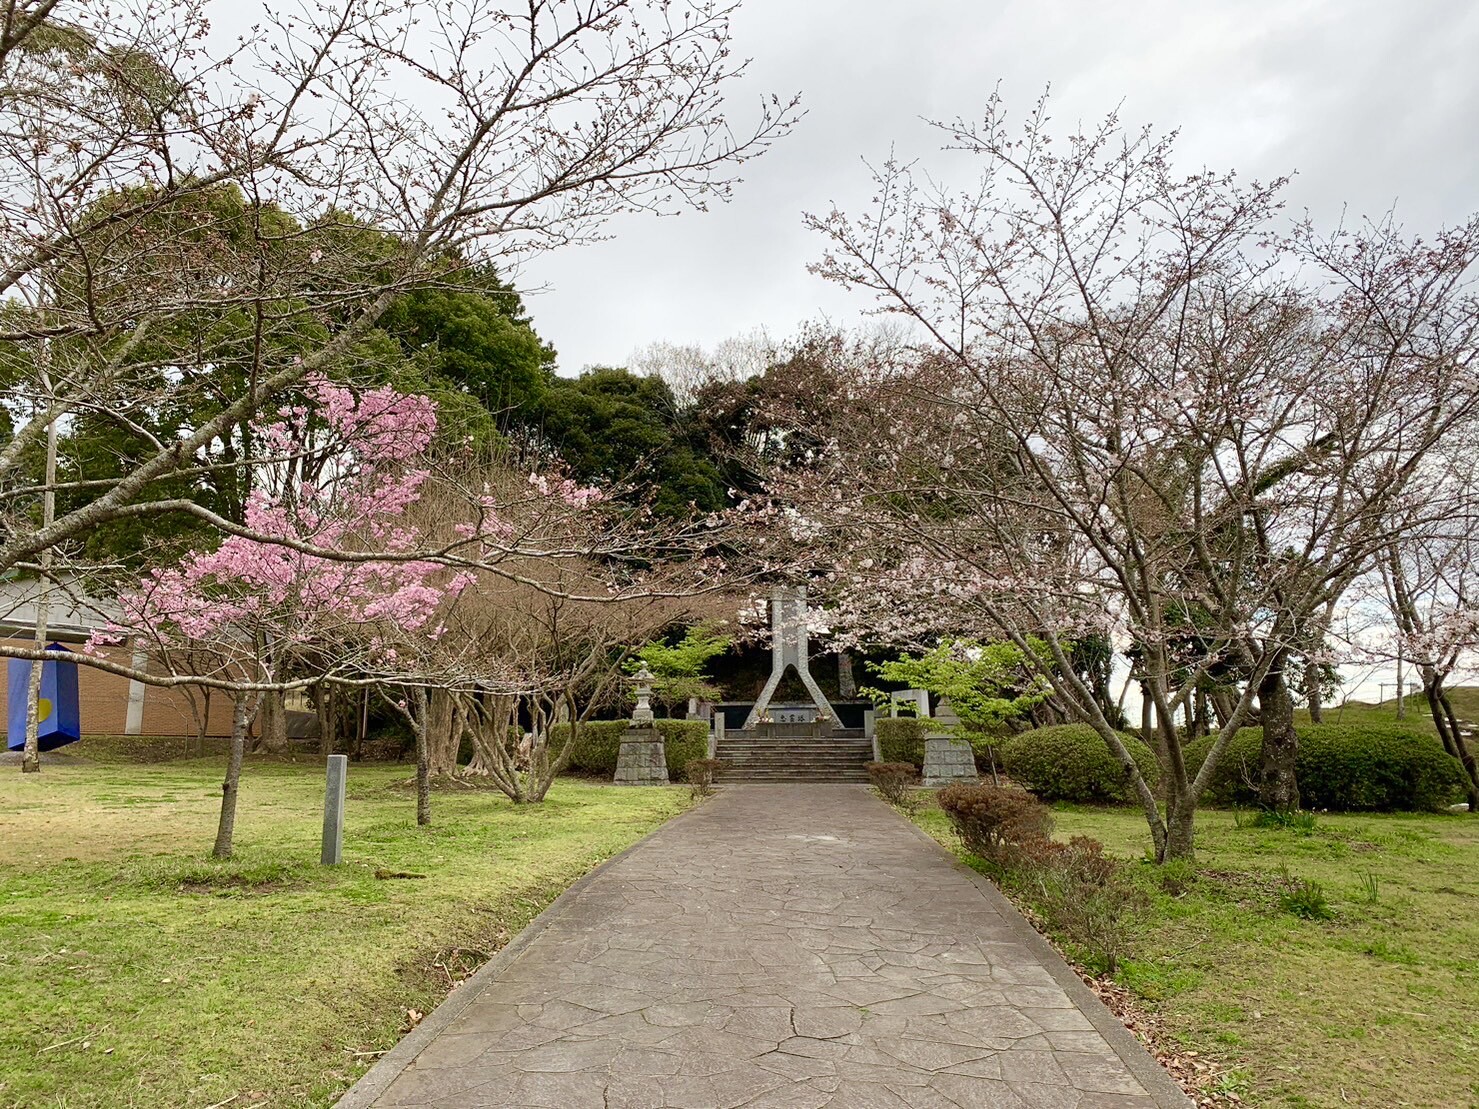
x: 1377, y: 1007
x: 135, y: 971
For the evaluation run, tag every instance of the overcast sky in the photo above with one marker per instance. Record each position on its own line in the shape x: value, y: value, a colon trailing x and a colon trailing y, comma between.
x: 1371, y: 102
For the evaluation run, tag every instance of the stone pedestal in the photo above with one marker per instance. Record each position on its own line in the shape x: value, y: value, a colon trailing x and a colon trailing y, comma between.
x: 642, y: 760
x: 947, y: 760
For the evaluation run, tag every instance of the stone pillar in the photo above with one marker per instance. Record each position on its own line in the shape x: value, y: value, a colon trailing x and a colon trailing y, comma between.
x: 790, y: 647
x: 948, y: 759
x: 716, y: 736
x: 870, y: 732
x: 919, y: 698
x: 642, y: 760
x: 333, y: 845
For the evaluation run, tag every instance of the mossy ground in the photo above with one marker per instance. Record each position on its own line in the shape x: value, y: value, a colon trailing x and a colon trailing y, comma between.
x: 136, y: 971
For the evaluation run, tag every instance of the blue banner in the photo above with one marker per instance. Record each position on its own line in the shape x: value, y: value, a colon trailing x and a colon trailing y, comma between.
x: 60, y: 715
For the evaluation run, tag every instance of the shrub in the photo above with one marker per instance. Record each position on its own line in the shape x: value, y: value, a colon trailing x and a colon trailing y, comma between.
x: 700, y: 775
x: 1085, y: 896
x: 901, y: 739
x: 1298, y: 821
x: 598, y: 743
x: 1306, y: 899
x: 684, y: 741
x: 1001, y: 825
x: 894, y: 780
x: 1343, y: 768
x: 1071, y: 762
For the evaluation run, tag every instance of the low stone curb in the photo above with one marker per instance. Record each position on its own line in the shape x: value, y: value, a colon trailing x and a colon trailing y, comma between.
x: 389, y: 1066
x: 1164, y: 1089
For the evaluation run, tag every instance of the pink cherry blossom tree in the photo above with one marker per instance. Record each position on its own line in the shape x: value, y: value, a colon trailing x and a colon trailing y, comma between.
x: 368, y: 556
x: 259, y: 609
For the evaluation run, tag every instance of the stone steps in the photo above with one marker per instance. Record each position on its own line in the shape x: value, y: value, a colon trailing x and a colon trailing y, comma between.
x: 799, y: 759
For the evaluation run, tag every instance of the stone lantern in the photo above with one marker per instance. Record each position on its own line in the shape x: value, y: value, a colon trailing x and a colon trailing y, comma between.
x: 642, y: 758
x: 642, y: 714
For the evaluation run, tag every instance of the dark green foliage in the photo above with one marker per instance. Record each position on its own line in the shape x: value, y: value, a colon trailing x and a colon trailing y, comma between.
x: 901, y: 739
x: 1295, y: 820
x: 684, y: 742
x: 1071, y: 762
x: 613, y: 425
x: 1001, y: 825
x: 598, y: 743
x: 893, y: 780
x: 1343, y: 768
x: 471, y: 340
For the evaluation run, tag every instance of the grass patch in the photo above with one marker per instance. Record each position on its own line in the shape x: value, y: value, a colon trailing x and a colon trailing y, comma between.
x: 1376, y: 1006
x: 138, y: 971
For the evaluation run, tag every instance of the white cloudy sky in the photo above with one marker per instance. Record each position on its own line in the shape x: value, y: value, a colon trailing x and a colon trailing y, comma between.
x: 1370, y: 102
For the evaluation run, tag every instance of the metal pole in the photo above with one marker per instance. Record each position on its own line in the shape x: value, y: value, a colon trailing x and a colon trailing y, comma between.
x: 1401, y: 700
x: 333, y: 849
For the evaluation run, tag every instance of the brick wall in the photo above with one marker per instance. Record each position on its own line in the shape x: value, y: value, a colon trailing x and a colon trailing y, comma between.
x: 104, y: 701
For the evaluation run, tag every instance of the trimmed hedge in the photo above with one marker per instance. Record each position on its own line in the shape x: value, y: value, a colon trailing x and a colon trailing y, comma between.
x: 1342, y: 768
x: 1071, y: 762
x: 598, y: 742
x: 901, y: 739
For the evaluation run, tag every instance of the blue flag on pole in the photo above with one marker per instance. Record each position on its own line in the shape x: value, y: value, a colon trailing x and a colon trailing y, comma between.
x: 60, y: 716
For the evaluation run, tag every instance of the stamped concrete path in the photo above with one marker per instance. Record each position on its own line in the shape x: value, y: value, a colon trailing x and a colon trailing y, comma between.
x: 790, y: 945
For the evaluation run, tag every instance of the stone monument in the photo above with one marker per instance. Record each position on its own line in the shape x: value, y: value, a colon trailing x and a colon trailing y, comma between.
x: 642, y: 759
x: 947, y: 757
x: 790, y: 647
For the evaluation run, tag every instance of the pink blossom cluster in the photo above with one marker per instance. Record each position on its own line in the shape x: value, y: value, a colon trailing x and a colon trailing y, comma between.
x: 305, y: 571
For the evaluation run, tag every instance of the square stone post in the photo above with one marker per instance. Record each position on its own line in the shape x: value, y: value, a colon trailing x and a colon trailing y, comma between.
x: 716, y: 735
x: 643, y: 758
x: 947, y: 758
x: 333, y: 843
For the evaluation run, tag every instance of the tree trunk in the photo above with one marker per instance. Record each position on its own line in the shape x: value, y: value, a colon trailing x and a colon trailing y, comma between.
x: 1278, y: 787
x: 226, y: 827
x: 1224, y: 705
x: 847, y: 685
x: 1452, y: 735
x: 362, y: 724
x: 422, y: 702
x: 205, y: 720
x: 1147, y: 719
x: 1196, y: 725
x: 1401, y: 681
x: 442, y: 738
x: 327, y: 719
x: 272, y: 721
x: 1180, y: 830
x: 488, y: 724
x: 1313, y: 695
x: 31, y: 751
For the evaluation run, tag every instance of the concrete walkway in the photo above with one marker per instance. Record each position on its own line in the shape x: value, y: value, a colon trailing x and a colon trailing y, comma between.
x: 792, y: 945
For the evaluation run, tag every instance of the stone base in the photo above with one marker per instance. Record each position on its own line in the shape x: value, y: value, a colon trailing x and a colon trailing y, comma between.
x: 803, y: 729
x: 947, y: 760
x: 643, y: 760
